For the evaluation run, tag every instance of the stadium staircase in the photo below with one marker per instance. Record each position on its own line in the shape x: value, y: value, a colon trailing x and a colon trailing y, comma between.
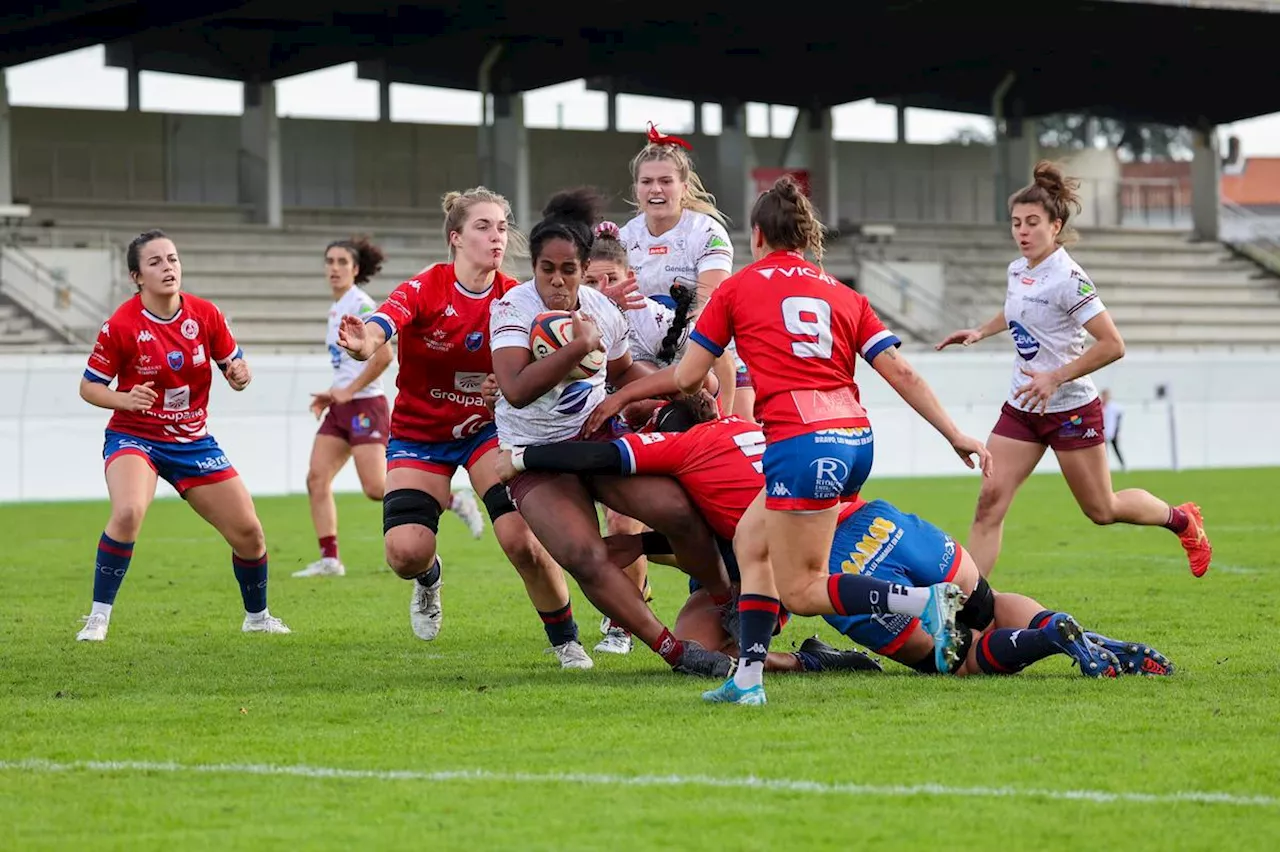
x: 1162, y: 289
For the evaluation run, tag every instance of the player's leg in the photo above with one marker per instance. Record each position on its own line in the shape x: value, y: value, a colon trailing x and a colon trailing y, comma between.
x: 1012, y: 461
x: 616, y: 639
x: 131, y: 485
x: 561, y: 514
x: 543, y: 579
x: 371, y: 469
x: 329, y: 453
x: 411, y: 509
x: 1089, y: 477
x: 226, y: 505
x: 744, y: 394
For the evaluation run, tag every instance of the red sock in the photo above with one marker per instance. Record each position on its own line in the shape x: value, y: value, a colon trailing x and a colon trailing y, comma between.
x: 668, y: 647
x: 1178, y: 520
x: 329, y: 547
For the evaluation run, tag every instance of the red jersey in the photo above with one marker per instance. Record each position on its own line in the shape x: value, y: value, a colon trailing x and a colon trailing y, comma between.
x: 798, y: 330
x: 135, y: 346
x: 718, y: 463
x: 444, y: 354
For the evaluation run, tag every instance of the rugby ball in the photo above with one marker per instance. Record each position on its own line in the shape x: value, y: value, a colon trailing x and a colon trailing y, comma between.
x: 554, y: 329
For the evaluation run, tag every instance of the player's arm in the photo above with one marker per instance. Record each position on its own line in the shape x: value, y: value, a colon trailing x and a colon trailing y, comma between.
x: 376, y: 366
x: 1108, y: 347
x: 711, y: 334
x: 567, y: 457
x: 725, y: 368
x: 95, y: 392
x: 969, y: 336
x: 521, y: 379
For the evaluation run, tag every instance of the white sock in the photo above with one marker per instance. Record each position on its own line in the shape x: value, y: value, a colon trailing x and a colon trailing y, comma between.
x: 907, y: 600
x: 257, y: 616
x: 101, y: 609
x: 749, y: 674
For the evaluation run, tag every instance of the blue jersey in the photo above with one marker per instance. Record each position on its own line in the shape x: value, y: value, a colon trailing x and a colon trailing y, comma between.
x: 878, y: 539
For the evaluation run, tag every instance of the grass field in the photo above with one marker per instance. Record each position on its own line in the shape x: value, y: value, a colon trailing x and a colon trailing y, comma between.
x: 180, y: 732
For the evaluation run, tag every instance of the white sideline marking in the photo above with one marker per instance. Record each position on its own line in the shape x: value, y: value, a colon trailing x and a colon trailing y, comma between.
x: 782, y: 785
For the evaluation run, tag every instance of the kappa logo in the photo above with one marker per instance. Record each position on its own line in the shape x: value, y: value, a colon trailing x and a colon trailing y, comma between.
x: 1091, y: 432
x: 780, y: 490
x: 450, y: 311
x: 106, y: 329
x: 145, y: 336
x: 757, y: 648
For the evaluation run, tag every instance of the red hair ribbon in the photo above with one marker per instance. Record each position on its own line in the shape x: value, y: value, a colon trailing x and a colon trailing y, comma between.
x: 656, y: 138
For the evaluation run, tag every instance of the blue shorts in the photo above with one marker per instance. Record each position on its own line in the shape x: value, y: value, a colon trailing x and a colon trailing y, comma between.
x: 184, y: 466
x: 818, y: 469
x: 443, y: 457
x: 882, y: 541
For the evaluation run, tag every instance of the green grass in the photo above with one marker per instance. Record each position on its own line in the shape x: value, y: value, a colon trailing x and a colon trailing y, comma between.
x: 352, y: 688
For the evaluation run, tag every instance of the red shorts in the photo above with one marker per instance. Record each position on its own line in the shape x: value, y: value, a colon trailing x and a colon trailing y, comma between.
x: 1076, y: 429
x: 524, y: 483
x: 360, y: 421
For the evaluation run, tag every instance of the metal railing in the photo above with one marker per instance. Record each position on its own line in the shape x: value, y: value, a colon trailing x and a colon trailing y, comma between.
x: 1256, y: 237
x: 69, y: 312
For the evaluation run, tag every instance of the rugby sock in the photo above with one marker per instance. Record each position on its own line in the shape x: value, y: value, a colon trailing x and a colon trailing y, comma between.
x: 432, y: 575
x: 1006, y: 651
x: 668, y: 647
x: 1040, y: 619
x: 251, y: 574
x: 329, y: 547
x: 1178, y: 520
x: 757, y: 615
x: 108, y: 572
x: 854, y: 594
x: 560, y: 626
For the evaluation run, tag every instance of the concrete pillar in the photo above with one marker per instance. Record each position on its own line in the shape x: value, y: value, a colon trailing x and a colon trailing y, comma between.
x: 1023, y: 145
x: 133, y: 89
x: 1206, y: 181
x: 508, y: 161
x: 902, y: 122
x: 611, y: 108
x: 735, y: 189
x: 812, y: 147
x: 384, y: 97
x: 697, y: 118
x: 261, y: 180
x: 6, y: 151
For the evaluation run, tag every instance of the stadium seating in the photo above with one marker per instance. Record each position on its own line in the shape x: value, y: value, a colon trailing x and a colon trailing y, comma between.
x: 1162, y: 289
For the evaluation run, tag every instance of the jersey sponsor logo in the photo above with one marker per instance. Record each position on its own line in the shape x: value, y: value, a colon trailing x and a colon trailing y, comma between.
x: 574, y: 397
x: 1028, y: 280
x: 177, y: 399
x: 881, y: 537
x: 190, y: 329
x: 1085, y: 287
x: 213, y: 463
x: 198, y: 357
x: 468, y: 382
x: 473, y: 424
x: 361, y: 424
x: 1024, y: 341
x: 658, y: 249
x: 815, y: 406
x: 365, y: 309
x: 716, y: 242
x: 335, y: 355
x: 175, y: 360
x: 1037, y: 300
x: 1071, y: 428
x: 145, y: 336
x: 796, y: 271
x: 651, y: 437
x: 459, y: 398
x: 473, y: 341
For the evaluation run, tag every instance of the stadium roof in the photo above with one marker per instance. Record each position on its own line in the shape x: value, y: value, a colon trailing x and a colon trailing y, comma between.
x: 1180, y: 64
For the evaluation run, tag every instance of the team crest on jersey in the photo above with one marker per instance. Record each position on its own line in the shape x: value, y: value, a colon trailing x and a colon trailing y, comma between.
x: 176, y: 360
x: 190, y: 329
x: 1023, y: 340
x: 574, y: 398
x: 1086, y: 287
x: 473, y: 341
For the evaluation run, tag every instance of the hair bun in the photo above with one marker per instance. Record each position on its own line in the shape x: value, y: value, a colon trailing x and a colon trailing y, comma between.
x: 450, y: 199
x: 576, y: 205
x: 608, y: 230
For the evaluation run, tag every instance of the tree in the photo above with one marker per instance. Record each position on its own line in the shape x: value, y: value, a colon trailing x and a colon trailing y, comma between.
x: 1134, y: 140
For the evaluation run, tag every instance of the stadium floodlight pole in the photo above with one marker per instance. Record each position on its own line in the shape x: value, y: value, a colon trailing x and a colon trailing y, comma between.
x: 998, y: 144
x: 488, y: 128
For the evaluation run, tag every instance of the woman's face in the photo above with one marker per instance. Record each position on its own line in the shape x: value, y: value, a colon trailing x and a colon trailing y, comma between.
x: 557, y: 273
x: 603, y: 272
x: 482, y: 242
x: 659, y: 189
x: 340, y: 267
x: 1034, y: 230
x: 159, y: 270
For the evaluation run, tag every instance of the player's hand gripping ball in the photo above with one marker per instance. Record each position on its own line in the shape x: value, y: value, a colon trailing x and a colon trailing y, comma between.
x: 553, y: 329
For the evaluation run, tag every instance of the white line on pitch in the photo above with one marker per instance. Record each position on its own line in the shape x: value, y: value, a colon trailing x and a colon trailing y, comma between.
x: 781, y: 785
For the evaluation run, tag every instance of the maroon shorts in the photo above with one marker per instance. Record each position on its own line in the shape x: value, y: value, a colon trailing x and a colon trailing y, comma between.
x: 360, y: 421
x: 525, y: 482
x: 1076, y: 429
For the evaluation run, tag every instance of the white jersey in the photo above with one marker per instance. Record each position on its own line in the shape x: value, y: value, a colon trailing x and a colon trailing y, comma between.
x: 1046, y: 309
x: 1111, y: 412
x: 647, y: 328
x: 697, y: 244
x: 346, y: 369
x: 559, y: 414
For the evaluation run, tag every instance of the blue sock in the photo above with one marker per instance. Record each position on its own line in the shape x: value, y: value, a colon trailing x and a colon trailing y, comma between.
x: 1006, y: 651
x: 251, y: 574
x: 432, y: 575
x: 109, y: 570
x: 757, y: 616
x: 560, y: 626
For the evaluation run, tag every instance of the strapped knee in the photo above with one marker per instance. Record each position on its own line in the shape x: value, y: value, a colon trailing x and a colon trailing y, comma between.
x: 980, y: 609
x: 410, y: 506
x: 497, y: 500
